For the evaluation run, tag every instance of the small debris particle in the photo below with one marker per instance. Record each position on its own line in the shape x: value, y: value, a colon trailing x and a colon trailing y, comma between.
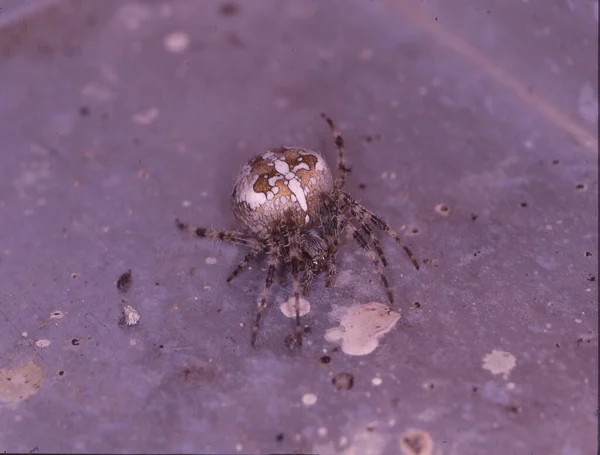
x: 177, y: 42
x: 130, y: 317
x: 442, y: 209
x: 416, y: 442
x: 325, y: 359
x: 474, y: 216
x: 308, y: 399
x: 210, y: 260
x: 74, y: 275
x: 343, y: 381
x: 388, y: 175
x: 57, y: 315
x: 279, y: 437
x: 84, y: 111
x: 555, y: 162
x: 580, y: 186
x: 588, y: 254
x: 75, y: 342
x: 124, y: 281
x: 376, y: 381
x: 42, y: 343
x: 592, y: 278
x: 523, y: 204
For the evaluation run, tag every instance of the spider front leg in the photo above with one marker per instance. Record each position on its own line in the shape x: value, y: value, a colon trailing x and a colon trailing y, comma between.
x: 365, y: 216
x: 343, y: 171
x: 331, y: 228
x: 235, y: 237
x: 273, y: 263
x: 252, y: 254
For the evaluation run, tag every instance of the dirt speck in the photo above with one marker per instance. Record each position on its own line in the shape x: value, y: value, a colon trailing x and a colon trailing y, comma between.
x: 416, y: 442
x: 124, y: 281
x: 342, y: 381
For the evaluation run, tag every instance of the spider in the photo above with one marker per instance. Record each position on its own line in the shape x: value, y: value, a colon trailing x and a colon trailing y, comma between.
x: 291, y: 209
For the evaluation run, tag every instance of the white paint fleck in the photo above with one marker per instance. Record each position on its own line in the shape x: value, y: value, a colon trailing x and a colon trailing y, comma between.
x: 376, y: 381
x: 361, y: 326
x: 177, y: 42
x: 24, y: 334
x: 296, y: 188
x: 499, y: 362
x: 309, y: 399
x: 146, y: 117
x: 210, y: 260
x: 131, y: 315
x: 288, y: 308
x: 42, y: 343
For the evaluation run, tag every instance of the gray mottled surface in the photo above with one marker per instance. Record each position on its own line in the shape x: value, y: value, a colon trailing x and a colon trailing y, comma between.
x: 107, y: 134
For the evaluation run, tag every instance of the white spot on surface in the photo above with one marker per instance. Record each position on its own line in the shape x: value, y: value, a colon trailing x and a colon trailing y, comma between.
x: 42, y: 343
x: 361, y: 326
x: 186, y: 204
x: 499, y: 362
x: 210, y: 260
x: 19, y: 383
x: 177, y: 42
x: 146, y: 117
x: 307, y: 219
x: 288, y: 308
x: 376, y: 381
x: 322, y: 431
x: 131, y: 315
x: 296, y: 188
x: 308, y: 399
x: 388, y: 175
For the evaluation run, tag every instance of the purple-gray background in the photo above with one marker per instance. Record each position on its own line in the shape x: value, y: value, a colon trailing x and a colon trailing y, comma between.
x: 118, y: 116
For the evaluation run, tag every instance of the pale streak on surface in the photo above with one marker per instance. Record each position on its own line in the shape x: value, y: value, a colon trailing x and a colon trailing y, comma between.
x: 418, y: 17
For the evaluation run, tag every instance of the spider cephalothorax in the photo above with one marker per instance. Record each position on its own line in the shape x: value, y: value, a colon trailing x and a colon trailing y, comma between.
x: 291, y: 210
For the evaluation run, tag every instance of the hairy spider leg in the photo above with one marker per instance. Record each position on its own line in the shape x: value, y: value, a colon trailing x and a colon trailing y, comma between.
x: 294, y: 257
x: 365, y: 226
x: 343, y: 170
x: 249, y: 257
x: 273, y: 263
x: 369, y: 252
x: 235, y: 237
x: 366, y: 216
x: 329, y: 215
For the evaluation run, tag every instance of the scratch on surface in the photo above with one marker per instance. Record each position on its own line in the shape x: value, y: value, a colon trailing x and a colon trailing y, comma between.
x: 418, y: 17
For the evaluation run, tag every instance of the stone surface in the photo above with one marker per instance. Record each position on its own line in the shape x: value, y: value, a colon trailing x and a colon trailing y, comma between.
x: 470, y: 129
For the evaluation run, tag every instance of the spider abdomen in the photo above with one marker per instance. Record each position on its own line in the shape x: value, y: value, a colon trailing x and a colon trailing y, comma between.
x: 279, y: 185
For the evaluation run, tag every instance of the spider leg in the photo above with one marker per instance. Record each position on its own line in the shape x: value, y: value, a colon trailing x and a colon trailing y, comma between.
x: 367, y: 248
x: 235, y: 237
x: 343, y: 170
x: 273, y: 262
x: 294, y: 252
x: 366, y: 216
x: 365, y: 225
x: 249, y: 257
x: 330, y: 221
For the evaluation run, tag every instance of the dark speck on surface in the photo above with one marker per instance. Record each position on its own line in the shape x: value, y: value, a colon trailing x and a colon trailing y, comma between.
x: 124, y: 281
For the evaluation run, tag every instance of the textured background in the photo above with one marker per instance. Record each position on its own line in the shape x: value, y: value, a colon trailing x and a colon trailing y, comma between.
x: 118, y: 116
